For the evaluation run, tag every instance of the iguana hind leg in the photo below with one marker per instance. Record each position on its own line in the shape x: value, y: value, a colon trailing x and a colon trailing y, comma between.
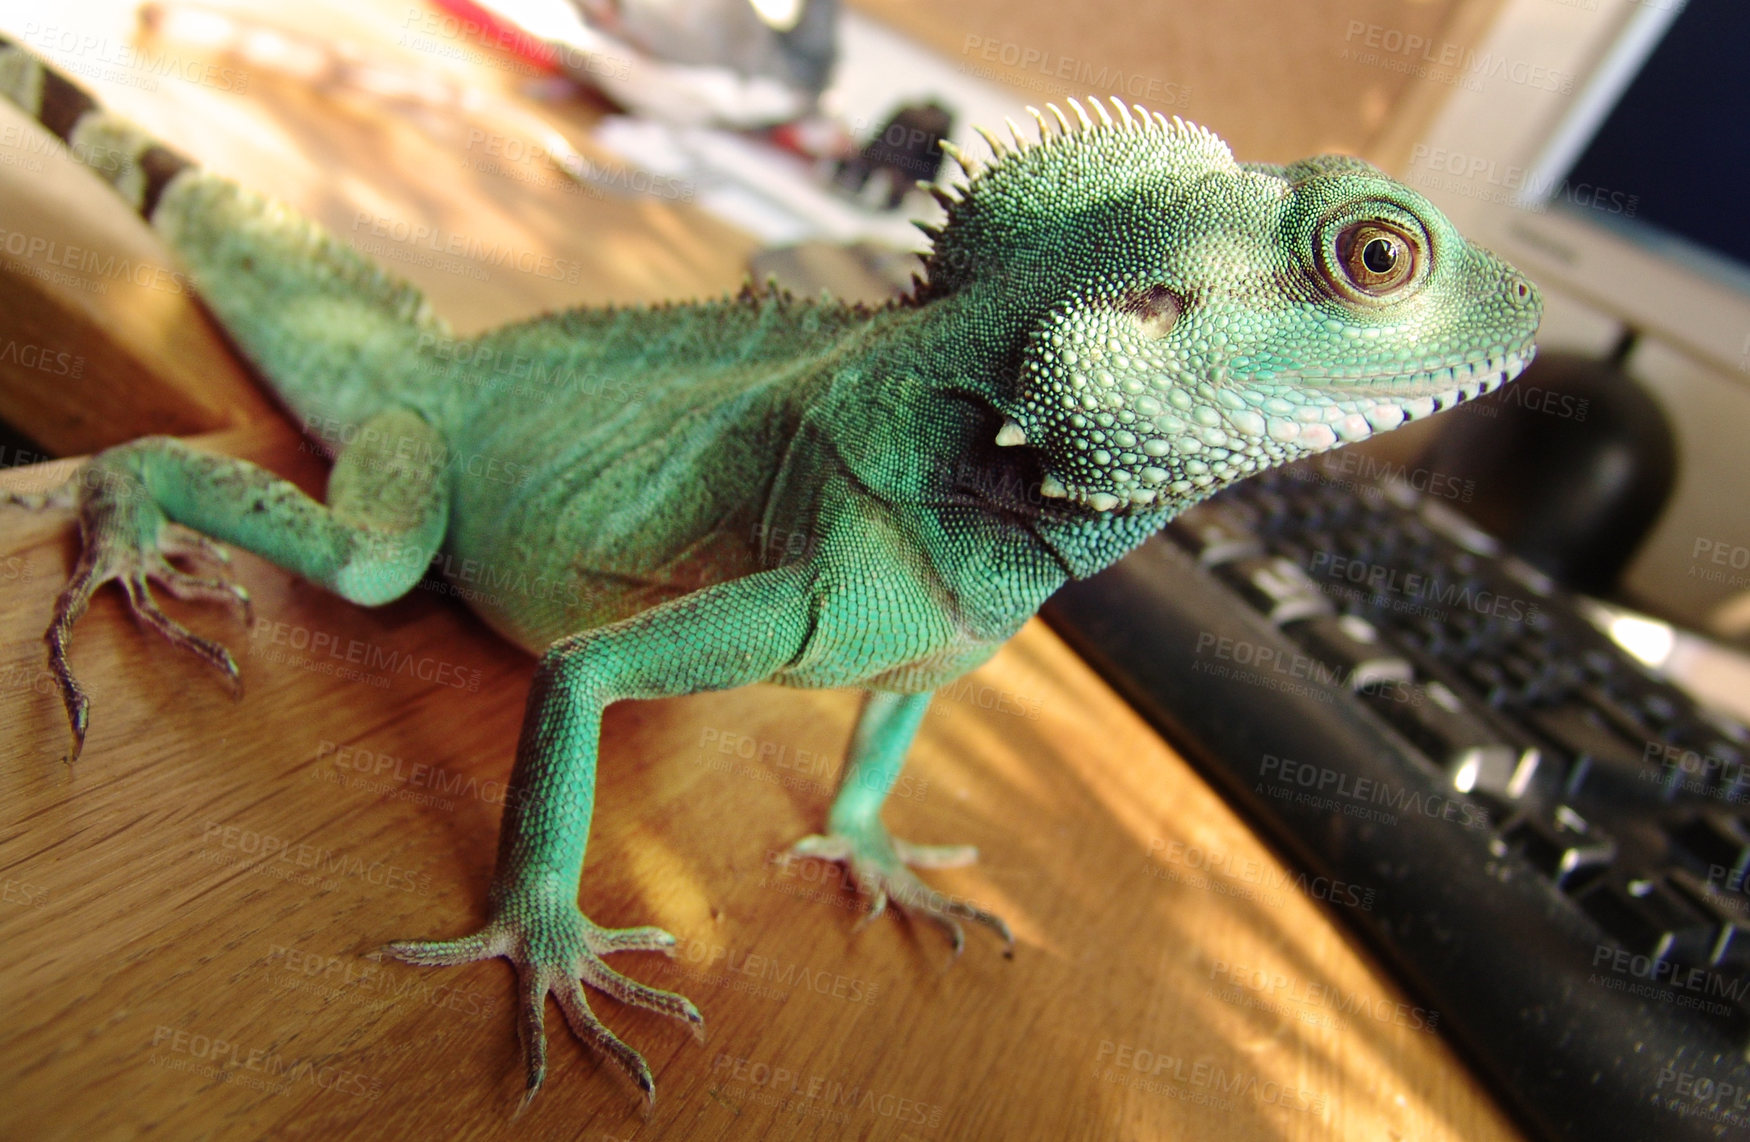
x: 856, y: 838
x: 156, y: 499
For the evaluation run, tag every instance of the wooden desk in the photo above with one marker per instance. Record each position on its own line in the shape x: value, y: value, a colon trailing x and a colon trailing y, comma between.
x: 185, y: 915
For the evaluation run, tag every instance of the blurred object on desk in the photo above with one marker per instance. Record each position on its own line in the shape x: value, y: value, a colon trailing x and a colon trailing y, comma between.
x: 905, y: 151
x: 862, y: 271
x: 734, y: 63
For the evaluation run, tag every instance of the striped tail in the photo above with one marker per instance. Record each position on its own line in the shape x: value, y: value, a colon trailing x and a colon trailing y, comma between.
x: 136, y: 165
x: 335, y: 337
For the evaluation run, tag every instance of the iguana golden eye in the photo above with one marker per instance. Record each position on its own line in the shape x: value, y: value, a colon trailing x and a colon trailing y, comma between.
x: 1376, y: 258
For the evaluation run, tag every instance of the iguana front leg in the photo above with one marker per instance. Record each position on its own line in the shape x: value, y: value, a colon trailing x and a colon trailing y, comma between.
x: 720, y: 637
x: 154, y: 498
x: 856, y: 837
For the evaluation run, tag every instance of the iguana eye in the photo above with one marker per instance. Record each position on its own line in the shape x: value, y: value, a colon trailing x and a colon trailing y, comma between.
x: 1376, y: 258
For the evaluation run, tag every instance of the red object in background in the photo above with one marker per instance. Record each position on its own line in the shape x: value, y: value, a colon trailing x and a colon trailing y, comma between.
x: 501, y: 34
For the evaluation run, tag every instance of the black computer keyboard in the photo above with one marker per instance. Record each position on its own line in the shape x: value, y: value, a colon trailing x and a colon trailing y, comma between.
x: 1557, y: 841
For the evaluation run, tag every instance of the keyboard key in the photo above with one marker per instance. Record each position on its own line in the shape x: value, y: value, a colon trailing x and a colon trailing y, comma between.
x: 1730, y: 947
x: 1276, y: 588
x: 1562, y: 846
x: 1646, y: 917
x: 1715, y: 845
x: 1352, y: 645
x: 1467, y: 748
x: 1597, y: 760
x: 1216, y: 533
x: 1458, y: 528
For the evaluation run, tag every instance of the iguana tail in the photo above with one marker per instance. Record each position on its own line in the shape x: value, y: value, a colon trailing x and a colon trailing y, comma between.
x: 325, y: 326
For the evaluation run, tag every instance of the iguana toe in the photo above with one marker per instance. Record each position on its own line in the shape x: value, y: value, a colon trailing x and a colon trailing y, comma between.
x: 126, y: 539
x: 881, y: 866
x: 554, y: 952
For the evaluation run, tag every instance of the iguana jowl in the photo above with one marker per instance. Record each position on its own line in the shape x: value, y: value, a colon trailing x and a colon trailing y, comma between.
x: 1118, y: 319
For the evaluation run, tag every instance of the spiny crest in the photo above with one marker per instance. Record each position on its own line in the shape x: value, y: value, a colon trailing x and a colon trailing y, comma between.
x: 1134, y: 133
x: 1133, y: 119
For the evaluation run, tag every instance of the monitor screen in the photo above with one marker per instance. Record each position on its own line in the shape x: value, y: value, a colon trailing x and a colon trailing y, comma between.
x: 1668, y: 161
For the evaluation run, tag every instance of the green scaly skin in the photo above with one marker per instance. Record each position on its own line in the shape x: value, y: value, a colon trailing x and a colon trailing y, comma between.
x: 1118, y: 320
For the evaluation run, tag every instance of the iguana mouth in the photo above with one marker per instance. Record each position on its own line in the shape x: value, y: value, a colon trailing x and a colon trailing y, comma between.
x: 1375, y: 406
x: 1454, y: 383
x: 1444, y: 386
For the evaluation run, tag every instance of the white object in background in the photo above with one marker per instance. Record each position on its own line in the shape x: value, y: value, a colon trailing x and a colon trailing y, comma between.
x: 681, y: 91
x: 771, y: 194
x: 1716, y: 676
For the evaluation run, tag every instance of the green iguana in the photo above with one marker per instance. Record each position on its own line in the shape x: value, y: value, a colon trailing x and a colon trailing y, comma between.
x: 1116, y: 320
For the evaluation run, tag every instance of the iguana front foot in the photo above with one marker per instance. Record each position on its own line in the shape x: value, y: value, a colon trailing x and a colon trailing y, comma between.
x: 127, y: 539
x: 553, y: 946
x: 881, y: 866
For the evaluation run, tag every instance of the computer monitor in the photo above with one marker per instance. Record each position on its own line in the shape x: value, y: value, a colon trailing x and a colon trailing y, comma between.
x: 1609, y: 168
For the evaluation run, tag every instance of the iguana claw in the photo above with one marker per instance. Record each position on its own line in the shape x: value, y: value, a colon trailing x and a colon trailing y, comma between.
x: 552, y: 952
x: 128, y: 540
x: 881, y: 866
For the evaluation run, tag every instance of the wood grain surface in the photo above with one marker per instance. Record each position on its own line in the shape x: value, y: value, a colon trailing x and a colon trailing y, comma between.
x: 187, y: 914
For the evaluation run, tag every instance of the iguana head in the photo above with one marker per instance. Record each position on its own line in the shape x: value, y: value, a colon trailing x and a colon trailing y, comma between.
x: 1188, y: 320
